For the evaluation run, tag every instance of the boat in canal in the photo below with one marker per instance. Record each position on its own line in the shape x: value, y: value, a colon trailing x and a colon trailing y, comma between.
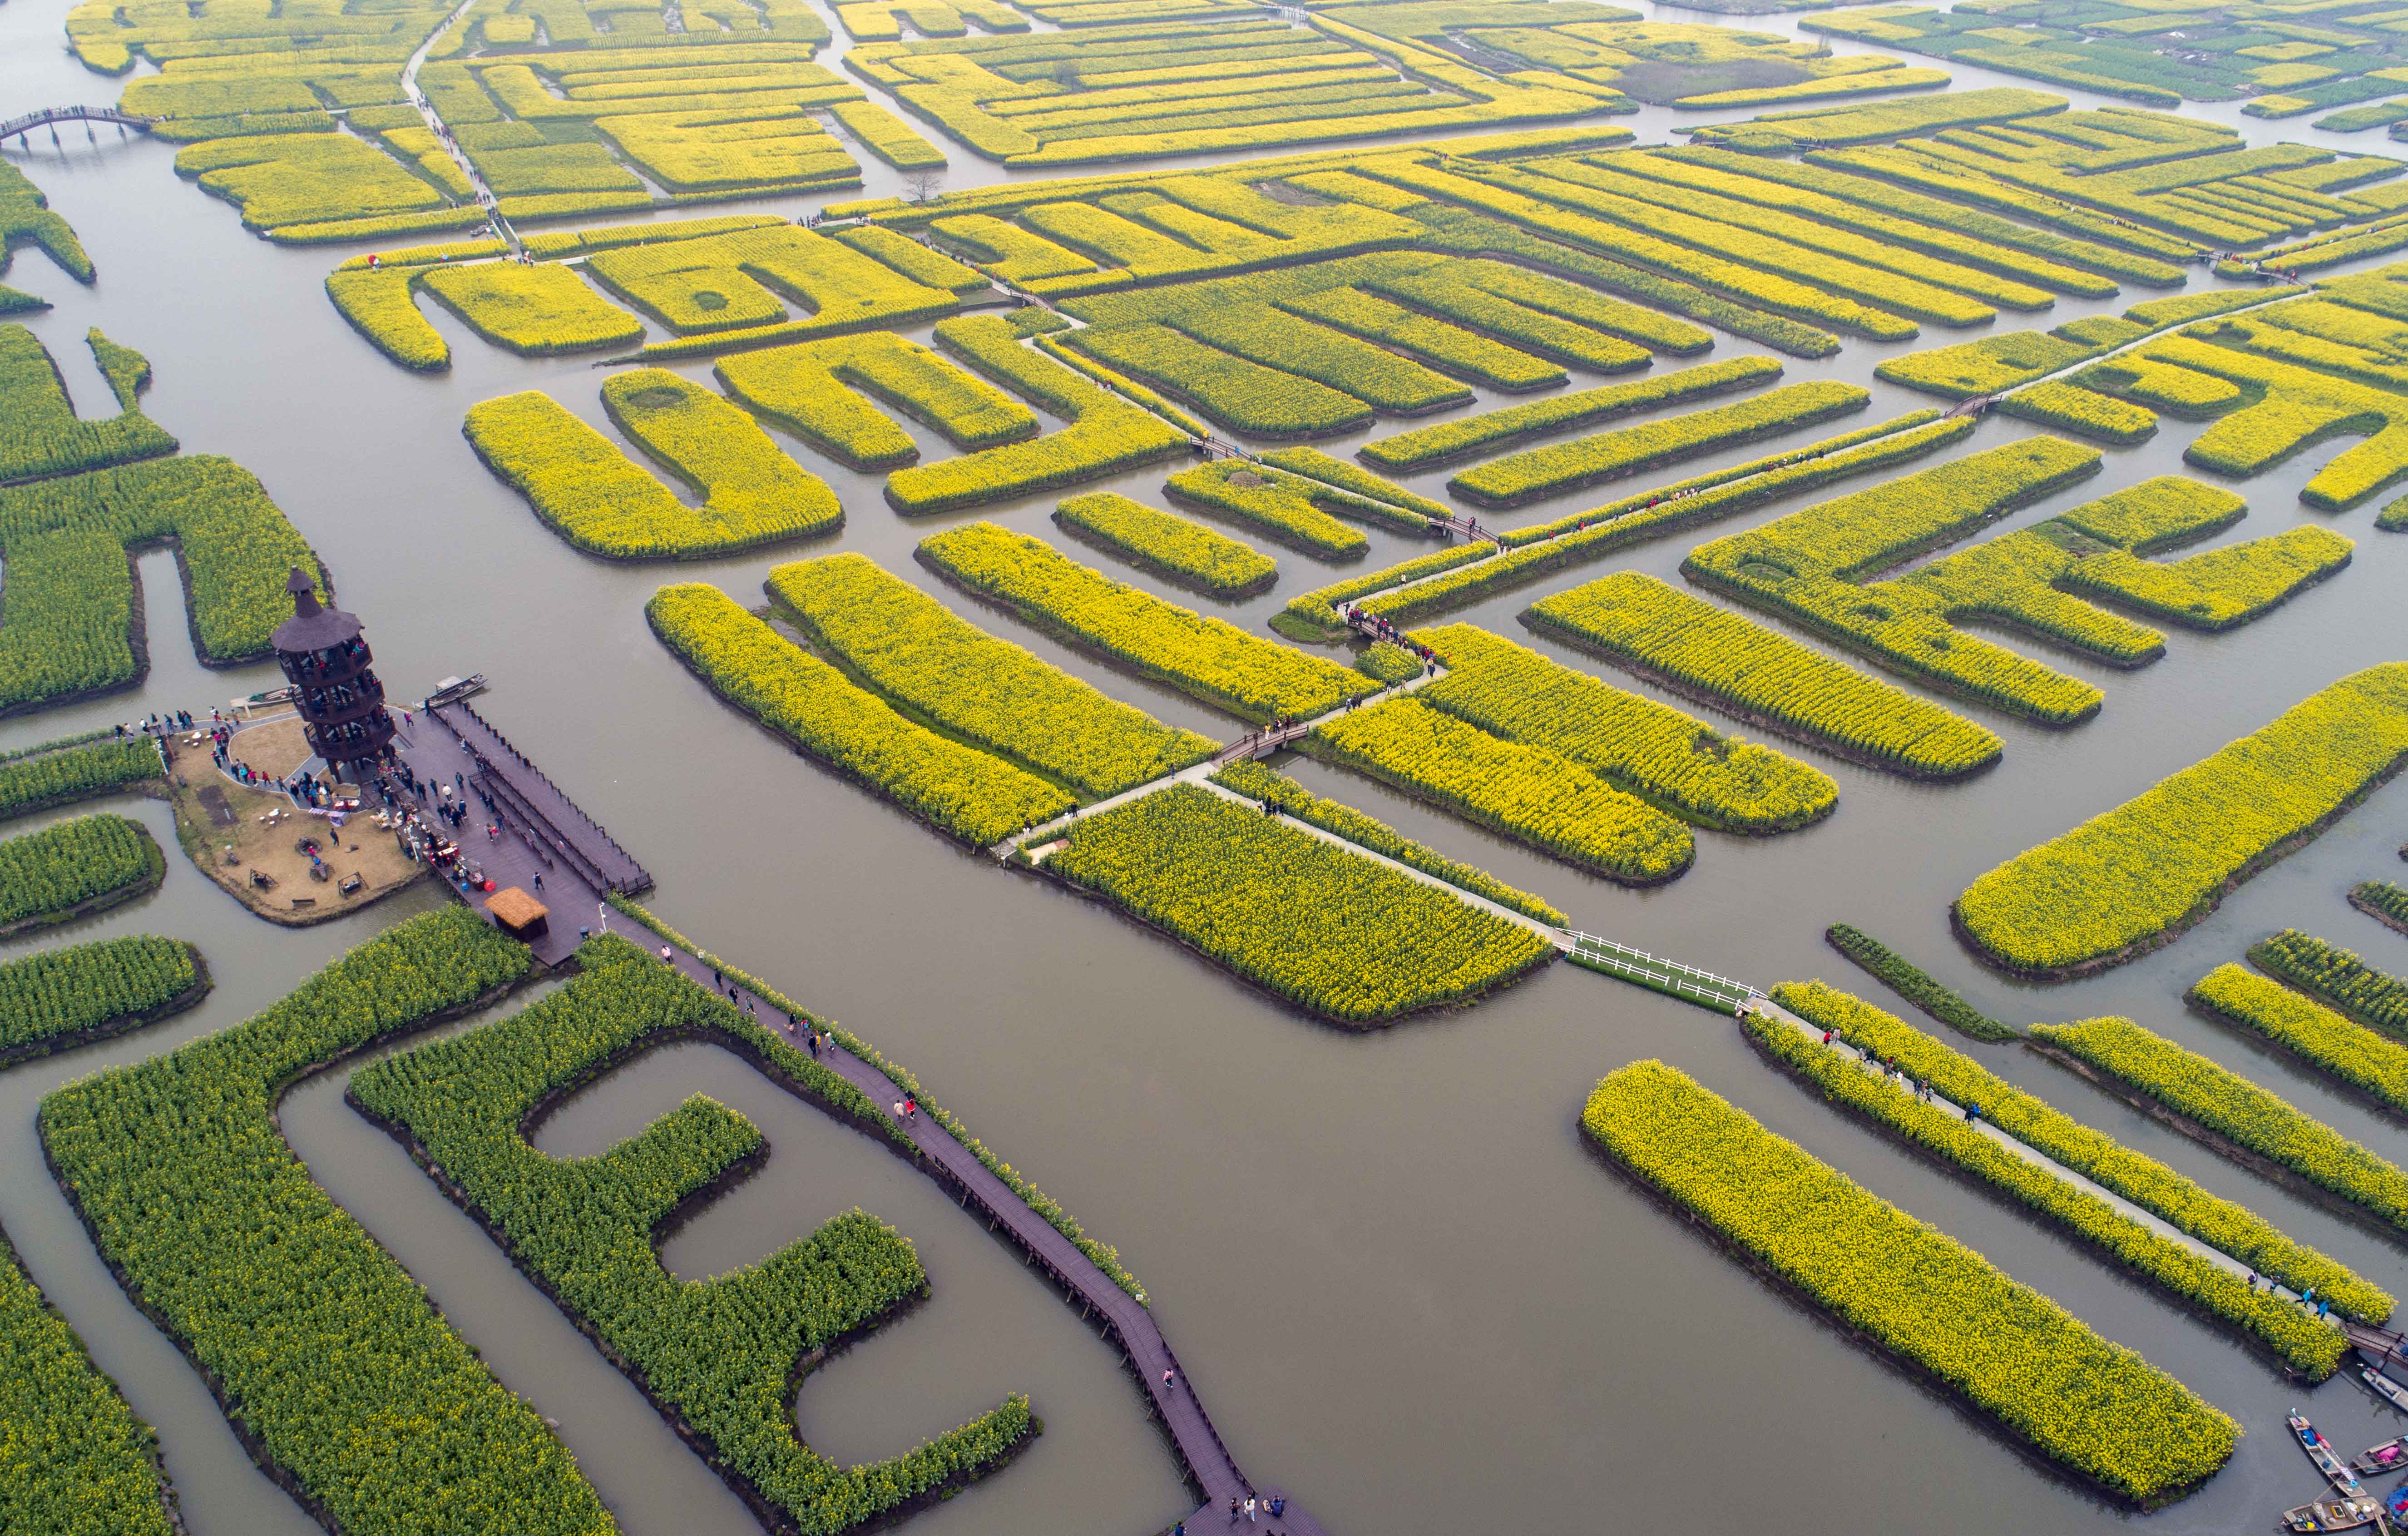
x: 2334, y: 1515
x: 2328, y: 1460
x: 2390, y: 1456
x: 2383, y: 1386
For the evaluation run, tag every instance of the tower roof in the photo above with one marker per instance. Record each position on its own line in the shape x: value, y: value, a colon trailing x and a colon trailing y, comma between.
x: 311, y: 627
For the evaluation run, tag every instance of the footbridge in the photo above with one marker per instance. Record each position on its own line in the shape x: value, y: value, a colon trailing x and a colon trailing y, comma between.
x: 49, y: 117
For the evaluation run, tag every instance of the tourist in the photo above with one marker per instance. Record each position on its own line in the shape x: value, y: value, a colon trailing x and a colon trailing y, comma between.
x: 665, y: 958
x: 1233, y: 1508
x: 1166, y: 1378
x: 814, y: 1039
x: 1278, y: 1506
x: 911, y: 1108
x: 539, y: 880
x: 1250, y: 1507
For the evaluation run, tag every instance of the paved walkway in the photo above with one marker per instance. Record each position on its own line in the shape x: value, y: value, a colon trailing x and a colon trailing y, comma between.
x: 485, y: 197
x: 1173, y: 1401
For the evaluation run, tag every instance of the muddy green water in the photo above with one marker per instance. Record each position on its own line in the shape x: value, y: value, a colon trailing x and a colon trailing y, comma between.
x: 1400, y: 1281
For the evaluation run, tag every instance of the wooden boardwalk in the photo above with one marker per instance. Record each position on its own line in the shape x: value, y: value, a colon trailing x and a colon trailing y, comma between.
x: 1210, y: 1468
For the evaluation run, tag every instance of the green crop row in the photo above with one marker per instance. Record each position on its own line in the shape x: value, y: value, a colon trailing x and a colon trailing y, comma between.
x: 970, y: 794
x: 2217, y: 589
x: 2233, y: 1107
x: 80, y: 1463
x: 1167, y: 544
x: 1669, y: 759
x: 988, y: 692
x: 66, y: 996
x: 2387, y: 903
x: 26, y: 218
x: 922, y: 264
x: 1541, y: 472
x: 73, y: 868
x: 1256, y: 782
x: 313, y: 1338
x: 2336, y: 978
x: 1216, y: 662
x: 1340, y: 935
x: 888, y: 138
x: 1917, y: 986
x: 1449, y: 349
x: 2220, y: 1224
x: 591, y: 494
x: 1286, y: 343
x: 2135, y: 876
x: 803, y: 389
x: 1388, y: 502
x: 1106, y: 435
x: 1489, y: 430
x: 2325, y: 1040
x: 68, y: 625
x: 1917, y: 167
x: 2091, y: 1405
x: 1760, y: 675
x: 1531, y: 794
x: 1313, y: 615
x: 75, y: 772
x: 718, y: 1356
x: 2311, y: 1348
x: 39, y: 432
x: 2100, y: 417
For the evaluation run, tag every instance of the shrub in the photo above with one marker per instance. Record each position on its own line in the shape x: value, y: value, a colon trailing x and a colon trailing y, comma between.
x: 1759, y: 675
x: 1256, y: 782
x: 538, y: 310
x: 66, y: 996
x: 1339, y: 935
x: 1218, y: 662
x: 379, y: 306
x: 67, y: 629
x: 719, y: 1357
x: 1531, y: 794
x: 80, y: 1461
x: 2336, y: 978
x: 2342, y: 1049
x: 1490, y: 430
x: 2232, y: 1106
x: 590, y: 493
x: 2309, y: 1345
x: 2132, y: 878
x: 1167, y: 544
x: 2219, y: 1224
x: 986, y: 691
x: 2093, y: 1406
x: 74, y: 867
x: 1537, y: 473
x: 1106, y: 435
x: 972, y: 796
x: 39, y: 433
x: 1669, y: 759
x: 2387, y: 903
x: 2087, y: 413
x: 310, y: 1333
x: 1917, y: 986
x: 43, y: 779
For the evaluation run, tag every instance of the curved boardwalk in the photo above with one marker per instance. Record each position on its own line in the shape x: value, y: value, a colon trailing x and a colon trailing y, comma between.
x: 1210, y: 1467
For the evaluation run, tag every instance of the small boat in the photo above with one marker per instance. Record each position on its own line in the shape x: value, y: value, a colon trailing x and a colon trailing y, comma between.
x: 2333, y: 1514
x: 2390, y: 1456
x: 2384, y: 1387
x: 453, y: 690
x: 2320, y: 1451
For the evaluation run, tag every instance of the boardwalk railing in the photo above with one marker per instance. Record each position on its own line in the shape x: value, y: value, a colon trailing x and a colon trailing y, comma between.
x: 18, y: 127
x: 1670, y: 977
x: 1263, y: 743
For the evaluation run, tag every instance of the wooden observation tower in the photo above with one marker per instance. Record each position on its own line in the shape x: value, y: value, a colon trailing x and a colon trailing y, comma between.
x: 333, y: 686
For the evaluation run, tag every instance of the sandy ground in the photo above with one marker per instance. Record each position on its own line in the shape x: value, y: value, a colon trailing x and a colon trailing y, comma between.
x: 273, y: 747
x: 216, y: 817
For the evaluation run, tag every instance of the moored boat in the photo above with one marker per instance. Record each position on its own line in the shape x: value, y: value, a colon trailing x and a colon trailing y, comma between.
x: 2390, y: 1456
x: 2382, y: 1385
x: 2333, y: 1514
x: 2328, y: 1460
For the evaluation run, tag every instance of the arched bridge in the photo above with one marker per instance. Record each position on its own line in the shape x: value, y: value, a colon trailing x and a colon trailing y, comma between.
x: 17, y: 127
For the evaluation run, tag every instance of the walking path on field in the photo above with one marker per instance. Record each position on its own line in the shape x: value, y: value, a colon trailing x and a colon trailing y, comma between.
x: 2033, y: 1155
x: 1124, y: 1320
x: 485, y: 197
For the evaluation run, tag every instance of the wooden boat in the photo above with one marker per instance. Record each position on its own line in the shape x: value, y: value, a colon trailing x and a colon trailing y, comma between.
x: 2384, y: 1387
x: 2320, y: 1451
x: 2390, y: 1456
x: 453, y: 690
x: 2333, y: 1514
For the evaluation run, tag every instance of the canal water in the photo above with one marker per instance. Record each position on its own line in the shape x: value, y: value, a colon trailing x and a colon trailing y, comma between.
x: 1404, y: 1288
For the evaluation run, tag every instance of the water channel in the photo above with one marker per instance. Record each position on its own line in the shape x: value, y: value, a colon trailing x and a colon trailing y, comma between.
x: 1402, y: 1285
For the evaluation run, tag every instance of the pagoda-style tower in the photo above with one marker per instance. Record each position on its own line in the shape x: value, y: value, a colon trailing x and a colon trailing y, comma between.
x: 322, y: 655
